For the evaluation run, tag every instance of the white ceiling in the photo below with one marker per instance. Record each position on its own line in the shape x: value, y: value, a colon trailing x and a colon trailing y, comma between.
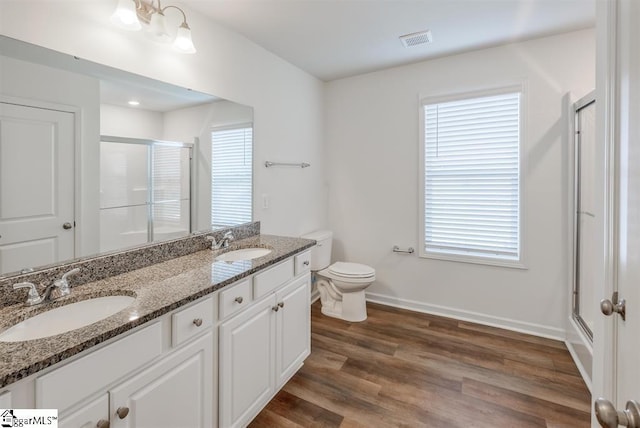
x: 331, y: 39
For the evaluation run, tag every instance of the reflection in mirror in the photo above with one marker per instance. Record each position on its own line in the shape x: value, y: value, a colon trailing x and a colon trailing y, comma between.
x: 145, y: 191
x: 585, y: 248
x: 94, y: 159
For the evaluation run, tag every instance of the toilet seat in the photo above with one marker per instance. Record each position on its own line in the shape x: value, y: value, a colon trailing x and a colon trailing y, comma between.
x: 351, y: 270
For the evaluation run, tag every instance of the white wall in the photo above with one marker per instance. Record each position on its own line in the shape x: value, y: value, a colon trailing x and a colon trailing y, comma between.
x: 372, y: 126
x: 287, y: 101
x: 190, y: 123
x: 118, y: 121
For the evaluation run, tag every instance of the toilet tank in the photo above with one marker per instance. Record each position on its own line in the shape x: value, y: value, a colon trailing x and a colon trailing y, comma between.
x: 321, y: 252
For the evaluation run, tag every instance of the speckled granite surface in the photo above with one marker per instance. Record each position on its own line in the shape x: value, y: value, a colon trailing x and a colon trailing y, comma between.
x: 103, y: 266
x: 159, y: 288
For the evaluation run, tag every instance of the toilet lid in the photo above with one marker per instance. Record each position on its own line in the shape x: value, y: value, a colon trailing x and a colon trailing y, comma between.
x: 351, y: 270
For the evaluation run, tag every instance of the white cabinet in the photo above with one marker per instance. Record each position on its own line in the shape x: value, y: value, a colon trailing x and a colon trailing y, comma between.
x: 92, y: 415
x: 293, y: 326
x: 260, y: 349
x: 246, y: 355
x: 176, y: 392
x: 138, y: 380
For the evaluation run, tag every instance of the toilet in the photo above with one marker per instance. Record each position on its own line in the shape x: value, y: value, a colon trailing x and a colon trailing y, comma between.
x: 341, y: 285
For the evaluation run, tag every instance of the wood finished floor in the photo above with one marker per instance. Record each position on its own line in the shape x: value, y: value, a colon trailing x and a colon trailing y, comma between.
x: 407, y: 369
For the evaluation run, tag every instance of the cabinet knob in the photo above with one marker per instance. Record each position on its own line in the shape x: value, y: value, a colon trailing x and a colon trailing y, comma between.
x: 239, y: 299
x: 306, y: 262
x: 275, y: 308
x: 122, y: 412
x: 281, y: 304
x: 102, y: 424
x: 197, y: 322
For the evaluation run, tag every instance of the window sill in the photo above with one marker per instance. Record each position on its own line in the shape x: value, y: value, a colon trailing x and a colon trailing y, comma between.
x: 460, y: 258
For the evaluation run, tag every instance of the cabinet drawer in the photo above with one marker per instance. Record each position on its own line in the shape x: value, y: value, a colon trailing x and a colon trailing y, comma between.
x: 71, y: 383
x: 265, y: 282
x: 235, y: 298
x: 302, y: 262
x: 191, y: 321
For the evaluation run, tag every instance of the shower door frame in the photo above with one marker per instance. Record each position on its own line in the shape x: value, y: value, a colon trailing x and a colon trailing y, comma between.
x: 151, y: 143
x: 582, y: 103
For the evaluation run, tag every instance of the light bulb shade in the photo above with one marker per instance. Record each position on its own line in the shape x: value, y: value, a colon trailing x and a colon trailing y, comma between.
x: 125, y: 15
x: 158, y: 28
x: 183, y: 42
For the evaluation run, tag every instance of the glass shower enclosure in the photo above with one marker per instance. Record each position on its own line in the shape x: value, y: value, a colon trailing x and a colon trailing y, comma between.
x: 145, y: 191
x: 585, y: 250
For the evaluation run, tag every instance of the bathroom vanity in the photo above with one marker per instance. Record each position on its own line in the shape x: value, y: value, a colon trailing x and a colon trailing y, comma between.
x: 205, y: 343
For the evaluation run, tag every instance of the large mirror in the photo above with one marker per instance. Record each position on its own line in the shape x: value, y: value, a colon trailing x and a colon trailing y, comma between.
x: 94, y: 159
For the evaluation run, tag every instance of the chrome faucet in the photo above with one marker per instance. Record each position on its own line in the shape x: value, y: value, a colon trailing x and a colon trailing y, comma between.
x: 54, y: 291
x: 224, y: 242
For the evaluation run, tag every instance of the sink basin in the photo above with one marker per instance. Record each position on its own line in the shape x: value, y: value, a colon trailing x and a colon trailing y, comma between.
x: 243, y: 254
x: 66, y: 318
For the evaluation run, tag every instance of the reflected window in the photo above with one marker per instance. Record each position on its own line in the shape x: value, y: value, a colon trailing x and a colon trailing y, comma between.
x: 231, y: 175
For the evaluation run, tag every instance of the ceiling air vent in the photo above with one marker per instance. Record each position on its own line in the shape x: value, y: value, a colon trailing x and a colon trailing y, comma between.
x: 415, y: 39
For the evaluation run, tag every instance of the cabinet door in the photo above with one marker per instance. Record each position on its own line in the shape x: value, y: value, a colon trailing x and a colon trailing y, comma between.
x: 247, y: 358
x: 175, y: 392
x: 293, y: 325
x: 88, y: 415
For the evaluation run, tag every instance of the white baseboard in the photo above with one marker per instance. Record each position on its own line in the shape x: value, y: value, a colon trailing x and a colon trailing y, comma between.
x: 578, y: 363
x: 489, y: 320
x: 315, y: 296
x: 577, y: 339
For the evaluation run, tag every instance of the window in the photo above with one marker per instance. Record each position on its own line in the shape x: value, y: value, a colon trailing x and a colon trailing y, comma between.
x: 231, y: 175
x: 471, y: 178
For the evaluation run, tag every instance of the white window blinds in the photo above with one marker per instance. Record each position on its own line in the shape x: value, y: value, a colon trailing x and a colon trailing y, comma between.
x: 472, y: 177
x: 231, y: 166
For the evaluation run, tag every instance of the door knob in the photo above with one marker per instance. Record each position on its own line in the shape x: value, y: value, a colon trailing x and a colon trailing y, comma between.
x: 609, y: 417
x: 122, y: 412
x: 608, y: 307
x: 66, y: 226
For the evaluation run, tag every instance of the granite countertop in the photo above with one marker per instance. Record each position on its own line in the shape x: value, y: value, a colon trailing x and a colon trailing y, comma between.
x: 158, y: 289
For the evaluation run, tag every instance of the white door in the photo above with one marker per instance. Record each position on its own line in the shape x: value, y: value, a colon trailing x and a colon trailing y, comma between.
x: 293, y: 325
x: 628, y: 260
x: 617, y: 348
x: 36, y: 186
x: 176, y: 392
x: 247, y: 354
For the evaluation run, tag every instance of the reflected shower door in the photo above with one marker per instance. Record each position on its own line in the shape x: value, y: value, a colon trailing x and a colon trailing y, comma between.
x: 145, y: 191
x: 584, y: 309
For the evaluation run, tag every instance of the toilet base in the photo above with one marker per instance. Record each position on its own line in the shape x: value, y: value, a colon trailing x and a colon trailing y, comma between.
x: 352, y: 308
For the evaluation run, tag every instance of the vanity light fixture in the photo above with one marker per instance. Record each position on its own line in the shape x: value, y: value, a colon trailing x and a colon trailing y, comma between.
x: 130, y: 13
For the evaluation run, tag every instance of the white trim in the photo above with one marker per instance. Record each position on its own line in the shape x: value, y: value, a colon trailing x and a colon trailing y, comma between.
x: 520, y: 263
x: 604, y: 344
x: 578, y: 363
x: 475, y: 317
x: 577, y: 332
